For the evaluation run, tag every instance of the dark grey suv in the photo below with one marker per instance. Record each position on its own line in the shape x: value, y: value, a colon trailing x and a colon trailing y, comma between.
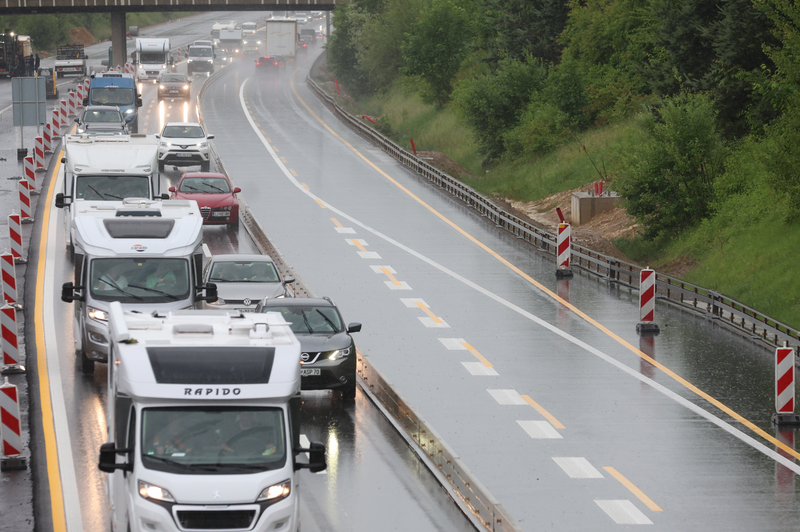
x: 328, y: 350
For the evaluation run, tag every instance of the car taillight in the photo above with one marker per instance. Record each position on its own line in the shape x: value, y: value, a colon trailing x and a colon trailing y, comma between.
x: 257, y: 63
x: 275, y: 63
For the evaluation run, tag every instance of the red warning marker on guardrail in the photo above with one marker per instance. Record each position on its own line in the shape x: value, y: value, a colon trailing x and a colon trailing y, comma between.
x: 62, y: 113
x: 413, y: 146
x: 10, y: 426
x: 564, y: 252
x: 8, y: 324
x: 38, y: 152
x: 9, y: 278
x: 15, y: 237
x: 647, y: 302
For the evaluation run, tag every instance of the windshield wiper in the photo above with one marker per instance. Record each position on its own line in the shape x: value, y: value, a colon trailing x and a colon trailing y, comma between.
x: 308, y: 325
x: 326, y: 318
x: 214, y: 187
x: 166, y: 461
x: 259, y: 467
x: 171, y: 296
x: 116, y: 287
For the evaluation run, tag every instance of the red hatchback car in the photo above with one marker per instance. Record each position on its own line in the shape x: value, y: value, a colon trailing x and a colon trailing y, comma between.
x: 214, y: 195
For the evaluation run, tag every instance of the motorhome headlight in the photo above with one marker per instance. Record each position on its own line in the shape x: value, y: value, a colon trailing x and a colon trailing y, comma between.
x: 97, y: 314
x: 164, y: 66
x: 275, y: 492
x: 186, y: 87
x: 161, y: 87
x: 154, y: 493
x: 339, y: 353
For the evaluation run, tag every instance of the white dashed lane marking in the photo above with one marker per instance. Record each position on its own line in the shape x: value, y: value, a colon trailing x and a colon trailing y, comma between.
x: 577, y: 467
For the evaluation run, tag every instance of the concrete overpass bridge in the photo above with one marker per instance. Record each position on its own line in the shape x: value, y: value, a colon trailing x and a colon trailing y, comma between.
x: 119, y: 9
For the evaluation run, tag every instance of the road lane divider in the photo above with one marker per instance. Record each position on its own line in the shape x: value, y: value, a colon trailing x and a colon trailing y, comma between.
x: 340, y: 228
x: 392, y: 283
x: 633, y: 489
x: 360, y: 243
x: 430, y: 320
x: 64, y: 502
x: 547, y: 415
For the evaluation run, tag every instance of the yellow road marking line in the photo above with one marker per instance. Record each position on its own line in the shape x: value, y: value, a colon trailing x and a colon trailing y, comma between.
x: 550, y: 417
x: 51, y: 451
x: 627, y: 345
x: 295, y: 174
x: 336, y: 222
x: 321, y: 204
x: 263, y: 132
x: 633, y: 489
x: 276, y: 149
x: 356, y: 243
x: 283, y: 159
x: 391, y: 277
x: 430, y: 314
x: 267, y: 139
x: 304, y: 186
x: 477, y: 355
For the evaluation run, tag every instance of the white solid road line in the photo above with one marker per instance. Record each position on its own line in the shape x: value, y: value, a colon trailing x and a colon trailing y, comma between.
x: 69, y: 484
x: 727, y: 427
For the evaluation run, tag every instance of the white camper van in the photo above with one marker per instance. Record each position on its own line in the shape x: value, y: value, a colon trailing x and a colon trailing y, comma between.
x: 104, y: 168
x: 203, y: 422
x: 148, y: 255
x: 153, y: 58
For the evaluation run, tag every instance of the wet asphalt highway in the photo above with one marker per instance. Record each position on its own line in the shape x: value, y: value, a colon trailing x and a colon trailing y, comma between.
x: 565, y: 419
x: 374, y: 480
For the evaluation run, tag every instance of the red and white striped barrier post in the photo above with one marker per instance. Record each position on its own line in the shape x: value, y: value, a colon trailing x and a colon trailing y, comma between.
x: 10, y: 427
x: 10, y: 332
x: 30, y: 173
x: 78, y: 94
x: 9, y: 278
x: 38, y: 152
x: 62, y: 113
x: 47, y: 140
x: 564, y: 251
x: 71, y: 104
x: 26, y: 215
x: 647, y: 302
x: 784, y: 387
x: 15, y: 237
x: 55, y: 125
x: 86, y: 84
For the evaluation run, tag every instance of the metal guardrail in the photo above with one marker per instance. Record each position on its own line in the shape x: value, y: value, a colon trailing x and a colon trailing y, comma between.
x: 745, y: 320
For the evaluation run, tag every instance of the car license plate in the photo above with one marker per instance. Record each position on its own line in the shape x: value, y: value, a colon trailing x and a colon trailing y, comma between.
x: 173, y: 91
x: 246, y: 309
x: 221, y: 214
x: 305, y: 372
x: 181, y: 154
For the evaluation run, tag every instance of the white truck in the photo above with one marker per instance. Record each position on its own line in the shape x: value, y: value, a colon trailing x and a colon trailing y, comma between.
x: 251, y: 42
x: 217, y: 27
x: 106, y: 168
x: 203, y: 422
x: 281, y: 38
x: 70, y: 59
x: 231, y: 42
x: 147, y: 255
x: 153, y: 58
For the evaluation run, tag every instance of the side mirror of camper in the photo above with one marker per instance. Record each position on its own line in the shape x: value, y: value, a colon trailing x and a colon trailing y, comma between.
x: 85, y: 102
x: 211, y: 292
x: 60, y: 203
x: 68, y: 293
x: 138, y: 101
x: 316, y: 458
x: 165, y: 195
x: 77, y: 120
x: 108, y: 459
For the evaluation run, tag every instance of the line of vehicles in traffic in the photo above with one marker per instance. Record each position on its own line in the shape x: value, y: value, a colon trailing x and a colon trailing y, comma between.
x: 206, y: 354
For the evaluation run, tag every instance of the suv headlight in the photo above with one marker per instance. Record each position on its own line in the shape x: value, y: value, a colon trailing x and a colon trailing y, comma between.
x: 274, y: 493
x: 154, y: 493
x: 165, y: 144
x: 161, y: 87
x: 97, y: 314
x: 203, y: 145
x: 339, y: 354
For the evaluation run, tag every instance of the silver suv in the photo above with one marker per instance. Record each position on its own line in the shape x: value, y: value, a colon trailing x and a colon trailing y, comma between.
x: 184, y: 144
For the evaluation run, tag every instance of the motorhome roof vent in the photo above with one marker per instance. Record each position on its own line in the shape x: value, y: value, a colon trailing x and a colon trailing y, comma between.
x: 138, y: 228
x: 212, y: 365
x: 193, y: 329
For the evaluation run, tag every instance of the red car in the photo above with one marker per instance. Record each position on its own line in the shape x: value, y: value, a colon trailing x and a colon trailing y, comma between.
x: 214, y: 195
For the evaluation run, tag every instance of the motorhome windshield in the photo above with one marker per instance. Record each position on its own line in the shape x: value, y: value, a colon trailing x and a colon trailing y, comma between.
x: 213, y: 440
x: 111, y: 187
x: 139, y: 280
x: 153, y: 57
x: 111, y: 96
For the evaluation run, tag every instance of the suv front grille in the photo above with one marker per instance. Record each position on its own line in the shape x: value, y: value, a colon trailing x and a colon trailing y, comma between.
x: 216, y: 519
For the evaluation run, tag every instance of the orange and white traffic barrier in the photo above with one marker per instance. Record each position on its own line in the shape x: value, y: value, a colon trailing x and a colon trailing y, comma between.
x: 78, y: 94
x: 129, y: 68
x: 38, y: 152
x: 10, y: 426
x: 25, y: 212
x: 9, y: 278
x: 784, y: 385
x: 71, y: 108
x: 10, y: 332
x: 47, y: 140
x: 15, y: 236
x: 30, y: 173
x: 647, y: 302
x: 55, y: 125
x: 62, y: 113
x: 564, y: 251
x: 86, y: 84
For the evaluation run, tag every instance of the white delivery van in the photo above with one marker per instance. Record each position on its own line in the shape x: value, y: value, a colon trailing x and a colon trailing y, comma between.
x: 203, y: 422
x: 147, y: 255
x: 106, y: 168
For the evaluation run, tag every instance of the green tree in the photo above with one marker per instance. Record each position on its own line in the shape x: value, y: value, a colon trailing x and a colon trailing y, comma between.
x: 516, y: 28
x: 344, y: 47
x: 435, y: 48
x: 667, y: 180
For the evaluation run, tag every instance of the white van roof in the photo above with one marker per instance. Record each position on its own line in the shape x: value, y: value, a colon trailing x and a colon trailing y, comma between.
x: 204, y: 355
x: 138, y: 227
x: 109, y: 154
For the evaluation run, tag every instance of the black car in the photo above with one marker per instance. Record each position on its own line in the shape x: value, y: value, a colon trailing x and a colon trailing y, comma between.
x: 328, y: 350
x: 270, y: 64
x: 174, y: 86
x: 101, y: 119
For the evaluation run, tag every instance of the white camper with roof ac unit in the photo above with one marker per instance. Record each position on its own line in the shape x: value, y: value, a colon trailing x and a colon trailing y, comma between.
x: 147, y: 255
x: 203, y: 422
x: 106, y: 168
x: 153, y: 59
